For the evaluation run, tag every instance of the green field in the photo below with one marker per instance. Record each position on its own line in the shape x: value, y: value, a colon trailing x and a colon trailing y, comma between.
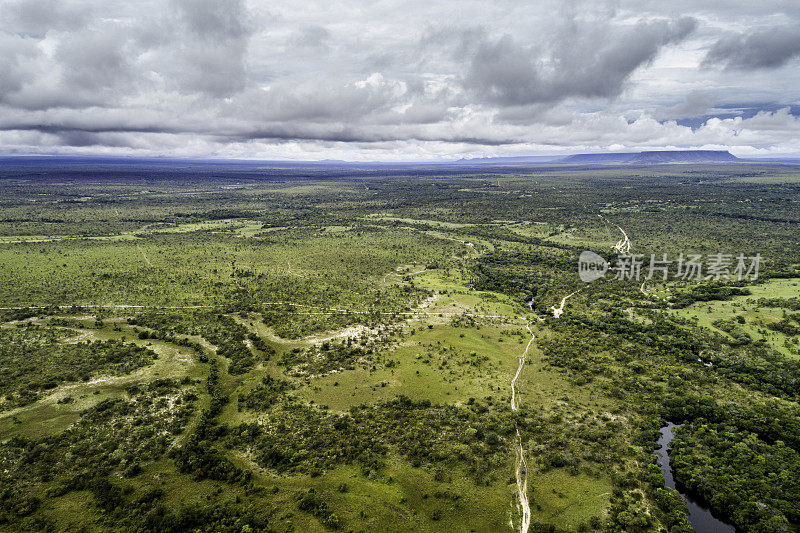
x: 295, y: 352
x: 757, y: 319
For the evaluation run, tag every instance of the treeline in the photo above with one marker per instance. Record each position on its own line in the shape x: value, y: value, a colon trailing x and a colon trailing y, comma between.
x: 304, y: 439
x: 771, y: 421
x: 752, y: 364
x: 523, y: 275
x: 743, y: 460
x: 198, y: 456
x: 707, y: 292
x: 787, y: 303
x: 264, y: 395
x: 789, y: 325
x: 751, y: 482
x: 144, y: 334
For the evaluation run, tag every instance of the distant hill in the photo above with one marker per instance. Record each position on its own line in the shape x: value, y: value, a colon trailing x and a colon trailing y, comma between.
x: 656, y: 157
x: 511, y: 160
x: 683, y: 156
x: 659, y: 157
x: 599, y: 159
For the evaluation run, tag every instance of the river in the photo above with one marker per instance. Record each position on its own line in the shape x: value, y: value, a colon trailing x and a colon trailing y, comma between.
x: 700, y: 517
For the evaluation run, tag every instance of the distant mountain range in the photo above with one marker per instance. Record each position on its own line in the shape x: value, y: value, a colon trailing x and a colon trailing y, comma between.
x: 661, y: 157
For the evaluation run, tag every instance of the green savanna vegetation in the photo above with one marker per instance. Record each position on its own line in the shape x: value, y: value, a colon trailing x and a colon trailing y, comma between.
x: 301, y: 349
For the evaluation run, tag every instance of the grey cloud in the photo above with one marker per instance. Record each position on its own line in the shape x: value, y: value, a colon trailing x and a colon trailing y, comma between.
x: 381, y: 61
x: 37, y: 17
x: 459, y: 42
x: 313, y: 37
x: 78, y: 133
x: 319, y: 101
x: 589, y: 62
x: 695, y: 104
x: 16, y: 53
x: 763, y: 49
x: 210, y: 52
x: 504, y: 72
x: 217, y: 20
x: 94, y: 60
x: 737, y: 10
x: 91, y: 67
x: 204, y: 68
x: 87, y: 139
x: 583, y: 131
x: 533, y: 113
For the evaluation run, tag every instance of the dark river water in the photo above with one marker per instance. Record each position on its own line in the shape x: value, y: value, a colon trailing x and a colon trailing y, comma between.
x: 700, y: 517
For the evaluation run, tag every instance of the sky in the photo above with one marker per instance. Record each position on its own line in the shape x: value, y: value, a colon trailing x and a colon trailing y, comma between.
x: 392, y: 80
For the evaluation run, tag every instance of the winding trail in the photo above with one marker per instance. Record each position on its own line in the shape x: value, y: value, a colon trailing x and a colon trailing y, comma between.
x: 558, y: 311
x: 521, y: 466
x: 623, y: 245
x: 519, y: 371
x: 146, y: 260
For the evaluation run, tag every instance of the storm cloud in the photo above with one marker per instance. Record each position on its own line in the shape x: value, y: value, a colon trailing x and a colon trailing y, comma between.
x: 767, y: 48
x: 395, y: 80
x: 590, y: 60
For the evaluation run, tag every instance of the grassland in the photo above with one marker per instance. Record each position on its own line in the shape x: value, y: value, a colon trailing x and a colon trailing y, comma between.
x: 334, y: 351
x: 756, y: 319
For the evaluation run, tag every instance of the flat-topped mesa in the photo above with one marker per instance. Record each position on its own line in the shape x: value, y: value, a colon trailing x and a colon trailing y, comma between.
x: 654, y: 157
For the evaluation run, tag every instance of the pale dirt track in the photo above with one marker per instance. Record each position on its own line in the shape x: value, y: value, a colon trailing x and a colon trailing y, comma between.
x: 521, y: 466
